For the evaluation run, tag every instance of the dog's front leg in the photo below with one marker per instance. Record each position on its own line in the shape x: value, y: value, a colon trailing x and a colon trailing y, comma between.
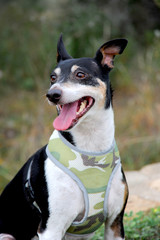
x: 116, y: 204
x: 65, y: 200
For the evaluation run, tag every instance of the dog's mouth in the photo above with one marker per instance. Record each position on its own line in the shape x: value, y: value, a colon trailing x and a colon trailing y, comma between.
x: 70, y: 113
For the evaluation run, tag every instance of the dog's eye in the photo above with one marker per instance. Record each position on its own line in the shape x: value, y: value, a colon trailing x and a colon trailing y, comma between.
x: 80, y: 75
x: 53, y: 78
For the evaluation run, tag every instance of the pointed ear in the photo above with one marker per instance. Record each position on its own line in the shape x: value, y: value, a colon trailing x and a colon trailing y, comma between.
x: 107, y: 51
x: 61, y: 51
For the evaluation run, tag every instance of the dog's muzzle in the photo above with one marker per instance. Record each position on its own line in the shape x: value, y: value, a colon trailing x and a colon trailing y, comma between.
x: 54, y: 95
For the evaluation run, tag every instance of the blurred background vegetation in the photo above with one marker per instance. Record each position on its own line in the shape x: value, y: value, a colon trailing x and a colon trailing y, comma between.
x: 29, y: 31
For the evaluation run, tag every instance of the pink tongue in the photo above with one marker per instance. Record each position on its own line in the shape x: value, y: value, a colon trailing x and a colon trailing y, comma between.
x: 66, y: 117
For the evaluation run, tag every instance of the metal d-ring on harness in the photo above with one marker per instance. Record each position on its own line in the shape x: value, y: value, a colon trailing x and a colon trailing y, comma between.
x: 29, y: 190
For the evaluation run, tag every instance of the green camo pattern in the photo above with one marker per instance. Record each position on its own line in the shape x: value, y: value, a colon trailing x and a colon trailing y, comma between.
x: 93, y: 171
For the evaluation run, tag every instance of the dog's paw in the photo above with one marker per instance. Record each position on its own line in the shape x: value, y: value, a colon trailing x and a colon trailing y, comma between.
x: 4, y: 236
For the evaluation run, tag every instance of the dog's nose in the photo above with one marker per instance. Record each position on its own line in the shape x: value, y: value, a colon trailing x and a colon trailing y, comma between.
x: 54, y: 95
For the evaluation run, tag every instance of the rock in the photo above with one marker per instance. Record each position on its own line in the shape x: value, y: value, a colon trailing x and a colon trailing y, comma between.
x: 144, y: 188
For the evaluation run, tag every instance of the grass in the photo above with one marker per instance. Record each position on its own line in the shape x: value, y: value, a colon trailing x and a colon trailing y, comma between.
x: 141, y: 226
x: 22, y: 131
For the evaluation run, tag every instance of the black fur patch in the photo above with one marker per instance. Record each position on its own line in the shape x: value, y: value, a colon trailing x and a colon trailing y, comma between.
x: 68, y: 137
x: 17, y: 216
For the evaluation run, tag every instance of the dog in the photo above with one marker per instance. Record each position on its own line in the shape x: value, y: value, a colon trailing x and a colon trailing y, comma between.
x: 69, y: 187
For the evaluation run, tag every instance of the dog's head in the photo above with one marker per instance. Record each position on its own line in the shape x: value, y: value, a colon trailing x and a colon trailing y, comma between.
x: 80, y: 86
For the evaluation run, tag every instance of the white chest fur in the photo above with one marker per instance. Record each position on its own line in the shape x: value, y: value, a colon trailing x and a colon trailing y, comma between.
x: 65, y: 201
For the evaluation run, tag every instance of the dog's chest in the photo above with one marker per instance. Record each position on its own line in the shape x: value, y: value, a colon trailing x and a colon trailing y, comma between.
x: 60, y: 185
x: 78, y: 180
x: 65, y: 199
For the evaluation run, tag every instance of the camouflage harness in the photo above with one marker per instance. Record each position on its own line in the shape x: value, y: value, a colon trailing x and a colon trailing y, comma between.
x: 93, y: 172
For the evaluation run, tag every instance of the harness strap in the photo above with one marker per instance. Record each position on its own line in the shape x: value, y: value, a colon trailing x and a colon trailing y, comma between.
x: 93, y: 172
x: 29, y: 190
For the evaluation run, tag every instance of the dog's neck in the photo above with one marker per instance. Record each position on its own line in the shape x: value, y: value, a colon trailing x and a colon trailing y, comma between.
x: 95, y: 133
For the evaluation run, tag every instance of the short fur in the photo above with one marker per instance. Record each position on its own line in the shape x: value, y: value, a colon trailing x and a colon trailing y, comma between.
x: 60, y: 203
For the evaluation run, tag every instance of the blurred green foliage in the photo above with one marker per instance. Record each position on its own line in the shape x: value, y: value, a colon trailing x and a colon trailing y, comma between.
x: 157, y: 2
x: 29, y: 31
x: 141, y: 226
x: 144, y: 226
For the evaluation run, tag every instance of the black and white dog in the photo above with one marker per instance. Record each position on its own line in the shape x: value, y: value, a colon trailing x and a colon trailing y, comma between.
x: 55, y: 197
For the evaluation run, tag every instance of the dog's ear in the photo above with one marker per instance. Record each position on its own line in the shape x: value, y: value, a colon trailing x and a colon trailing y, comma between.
x: 108, y: 50
x: 61, y: 51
